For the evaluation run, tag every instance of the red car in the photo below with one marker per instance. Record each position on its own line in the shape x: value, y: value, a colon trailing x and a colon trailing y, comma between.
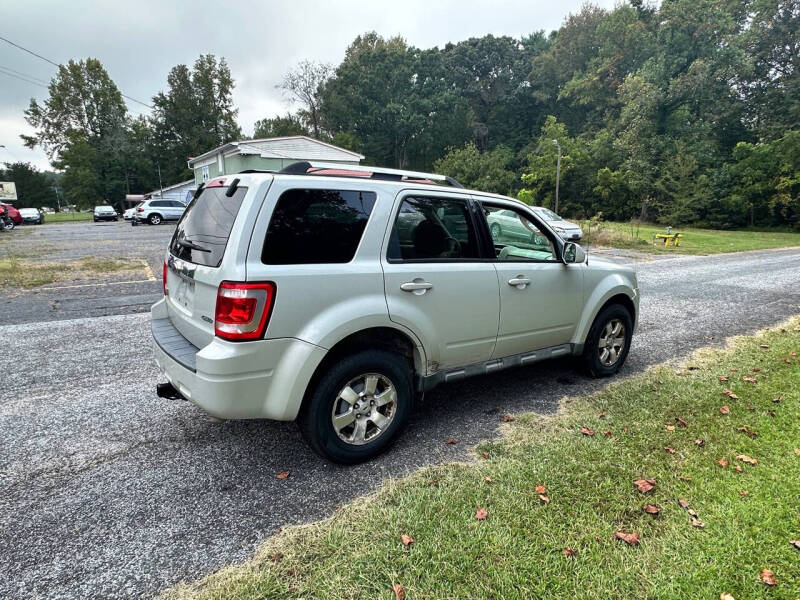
x: 13, y: 214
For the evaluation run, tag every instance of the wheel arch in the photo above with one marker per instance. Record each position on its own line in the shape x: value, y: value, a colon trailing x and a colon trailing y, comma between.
x: 616, y: 294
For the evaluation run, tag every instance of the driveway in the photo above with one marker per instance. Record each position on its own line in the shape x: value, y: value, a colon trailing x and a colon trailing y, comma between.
x: 108, y: 491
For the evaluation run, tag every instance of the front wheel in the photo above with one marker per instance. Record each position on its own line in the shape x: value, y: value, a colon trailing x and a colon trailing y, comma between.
x: 608, y: 342
x: 358, y: 406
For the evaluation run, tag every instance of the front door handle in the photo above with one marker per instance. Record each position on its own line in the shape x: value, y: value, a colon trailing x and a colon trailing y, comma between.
x: 417, y: 287
x: 519, y: 282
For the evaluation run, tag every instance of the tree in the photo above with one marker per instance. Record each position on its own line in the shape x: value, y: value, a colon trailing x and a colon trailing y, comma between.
x: 279, y: 127
x: 302, y: 84
x: 487, y: 171
x: 83, y: 100
x: 33, y: 187
x: 196, y: 114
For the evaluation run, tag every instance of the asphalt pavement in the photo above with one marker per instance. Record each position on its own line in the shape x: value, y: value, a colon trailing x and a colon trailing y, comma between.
x: 108, y: 491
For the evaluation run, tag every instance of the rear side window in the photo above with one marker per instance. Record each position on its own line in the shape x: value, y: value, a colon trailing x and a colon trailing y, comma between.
x: 203, y: 231
x: 316, y: 226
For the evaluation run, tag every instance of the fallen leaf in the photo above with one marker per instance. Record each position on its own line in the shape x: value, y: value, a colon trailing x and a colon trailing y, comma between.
x: 723, y: 378
x: 771, y: 413
x: 699, y: 442
x: 738, y: 468
x: 723, y: 463
x: 540, y: 489
x: 569, y: 551
x: 768, y: 577
x: 750, y: 407
x: 670, y: 450
x: 632, y: 539
x: 734, y: 370
x: 625, y: 429
x: 508, y: 419
x: 652, y: 509
x: 451, y: 441
x: 724, y: 596
x: 750, y: 379
x: 747, y: 430
x: 607, y: 433
x: 681, y: 422
x: 742, y: 493
x: 601, y: 414
x: 282, y: 475
x: 797, y: 451
x: 697, y: 523
x: 777, y: 399
x: 481, y: 514
x: 544, y: 498
x: 756, y: 370
x: 276, y: 557
x: 587, y: 431
x: 746, y: 459
x: 485, y: 454
x: 683, y: 503
x: 684, y: 478
x: 488, y: 479
x: 669, y: 427
x: 795, y: 543
x: 730, y: 394
x: 787, y: 361
x: 399, y: 592
x: 764, y: 346
x: 645, y: 485
x: 406, y: 539
x: 724, y: 410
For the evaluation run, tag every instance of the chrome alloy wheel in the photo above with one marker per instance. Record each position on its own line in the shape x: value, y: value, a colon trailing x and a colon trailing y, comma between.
x: 612, y: 342
x: 364, y: 409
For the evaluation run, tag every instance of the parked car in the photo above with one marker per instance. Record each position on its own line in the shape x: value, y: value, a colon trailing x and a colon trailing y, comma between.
x: 566, y: 229
x: 105, y: 213
x: 340, y: 300
x: 156, y: 211
x: 13, y: 214
x: 32, y: 216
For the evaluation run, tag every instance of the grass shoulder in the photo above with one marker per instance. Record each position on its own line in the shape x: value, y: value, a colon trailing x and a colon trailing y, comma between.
x: 718, y: 437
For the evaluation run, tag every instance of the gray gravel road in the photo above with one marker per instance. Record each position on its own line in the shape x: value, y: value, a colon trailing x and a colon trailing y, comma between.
x: 108, y: 491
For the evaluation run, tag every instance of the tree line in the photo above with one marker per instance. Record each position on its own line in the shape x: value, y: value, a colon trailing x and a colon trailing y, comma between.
x: 683, y: 113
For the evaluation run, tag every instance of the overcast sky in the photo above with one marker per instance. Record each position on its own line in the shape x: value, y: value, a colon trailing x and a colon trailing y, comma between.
x: 139, y: 42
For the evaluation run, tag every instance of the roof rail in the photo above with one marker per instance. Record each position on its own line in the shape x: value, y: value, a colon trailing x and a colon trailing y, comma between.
x: 315, y: 168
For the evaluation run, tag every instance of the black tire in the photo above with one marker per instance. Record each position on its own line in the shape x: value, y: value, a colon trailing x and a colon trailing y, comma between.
x: 154, y: 219
x: 592, y: 351
x: 315, y: 419
x: 95, y: 219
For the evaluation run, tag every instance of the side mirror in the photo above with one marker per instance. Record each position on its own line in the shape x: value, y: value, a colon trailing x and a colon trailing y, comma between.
x: 573, y: 254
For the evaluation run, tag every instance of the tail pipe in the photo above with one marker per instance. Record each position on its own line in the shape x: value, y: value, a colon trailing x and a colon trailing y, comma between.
x: 167, y: 390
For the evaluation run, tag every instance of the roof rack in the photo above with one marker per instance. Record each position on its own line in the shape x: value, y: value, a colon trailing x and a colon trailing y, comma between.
x: 359, y: 171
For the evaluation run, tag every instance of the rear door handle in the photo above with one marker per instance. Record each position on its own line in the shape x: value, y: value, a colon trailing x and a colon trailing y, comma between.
x: 519, y: 282
x: 418, y: 286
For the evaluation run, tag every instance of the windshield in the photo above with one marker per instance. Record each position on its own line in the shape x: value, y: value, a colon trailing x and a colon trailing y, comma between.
x: 203, y: 231
x: 103, y: 208
x: 547, y: 214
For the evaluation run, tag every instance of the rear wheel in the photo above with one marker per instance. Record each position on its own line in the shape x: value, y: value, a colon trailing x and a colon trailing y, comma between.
x: 154, y: 219
x: 358, y: 406
x: 609, y: 341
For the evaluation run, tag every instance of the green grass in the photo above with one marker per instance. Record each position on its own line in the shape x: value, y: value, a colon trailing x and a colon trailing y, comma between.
x: 694, y: 241
x: 517, y: 551
x: 67, y: 217
x: 109, y: 265
x: 17, y: 273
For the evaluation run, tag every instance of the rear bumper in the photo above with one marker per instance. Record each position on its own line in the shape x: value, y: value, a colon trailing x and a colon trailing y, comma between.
x: 264, y: 379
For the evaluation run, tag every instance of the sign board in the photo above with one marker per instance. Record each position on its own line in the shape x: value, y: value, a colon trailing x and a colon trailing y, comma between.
x: 8, y: 191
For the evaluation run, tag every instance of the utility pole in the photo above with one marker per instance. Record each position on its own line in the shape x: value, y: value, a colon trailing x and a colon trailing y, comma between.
x: 160, y: 187
x: 58, y: 198
x: 558, y: 172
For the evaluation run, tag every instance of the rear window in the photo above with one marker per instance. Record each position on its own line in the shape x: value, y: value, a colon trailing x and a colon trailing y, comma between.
x: 203, y: 231
x: 316, y: 226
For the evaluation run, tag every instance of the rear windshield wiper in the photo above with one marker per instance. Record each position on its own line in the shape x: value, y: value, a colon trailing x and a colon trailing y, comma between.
x: 191, y: 245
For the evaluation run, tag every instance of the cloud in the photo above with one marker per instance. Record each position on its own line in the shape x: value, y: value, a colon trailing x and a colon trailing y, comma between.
x: 140, y: 42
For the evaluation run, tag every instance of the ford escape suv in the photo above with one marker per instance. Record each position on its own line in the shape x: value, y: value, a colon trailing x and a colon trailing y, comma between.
x: 338, y: 295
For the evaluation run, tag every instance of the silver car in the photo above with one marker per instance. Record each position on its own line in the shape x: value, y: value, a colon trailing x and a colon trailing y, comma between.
x: 566, y: 229
x: 338, y: 296
x: 157, y: 211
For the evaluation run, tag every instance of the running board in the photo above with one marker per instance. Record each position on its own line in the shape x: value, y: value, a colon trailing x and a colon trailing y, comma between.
x: 429, y: 382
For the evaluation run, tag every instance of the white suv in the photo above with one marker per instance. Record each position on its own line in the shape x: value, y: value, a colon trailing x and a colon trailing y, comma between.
x: 157, y: 211
x: 338, y: 295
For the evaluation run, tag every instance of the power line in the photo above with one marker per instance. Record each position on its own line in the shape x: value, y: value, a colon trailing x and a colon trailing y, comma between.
x: 55, y: 64
x: 3, y: 72
x: 21, y: 74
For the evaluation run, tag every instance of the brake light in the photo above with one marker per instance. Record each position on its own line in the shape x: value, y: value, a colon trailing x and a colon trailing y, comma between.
x: 140, y: 210
x: 243, y: 310
x: 164, y: 277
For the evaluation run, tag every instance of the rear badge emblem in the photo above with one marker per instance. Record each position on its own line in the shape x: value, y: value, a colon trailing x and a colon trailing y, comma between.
x: 207, y: 319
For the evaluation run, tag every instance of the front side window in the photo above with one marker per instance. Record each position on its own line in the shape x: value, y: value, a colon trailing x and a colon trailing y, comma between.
x: 311, y: 226
x: 433, y: 229
x: 516, y: 237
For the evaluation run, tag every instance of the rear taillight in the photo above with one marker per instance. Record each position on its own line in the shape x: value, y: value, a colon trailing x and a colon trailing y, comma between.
x: 139, y: 210
x: 243, y: 310
x: 164, y: 277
